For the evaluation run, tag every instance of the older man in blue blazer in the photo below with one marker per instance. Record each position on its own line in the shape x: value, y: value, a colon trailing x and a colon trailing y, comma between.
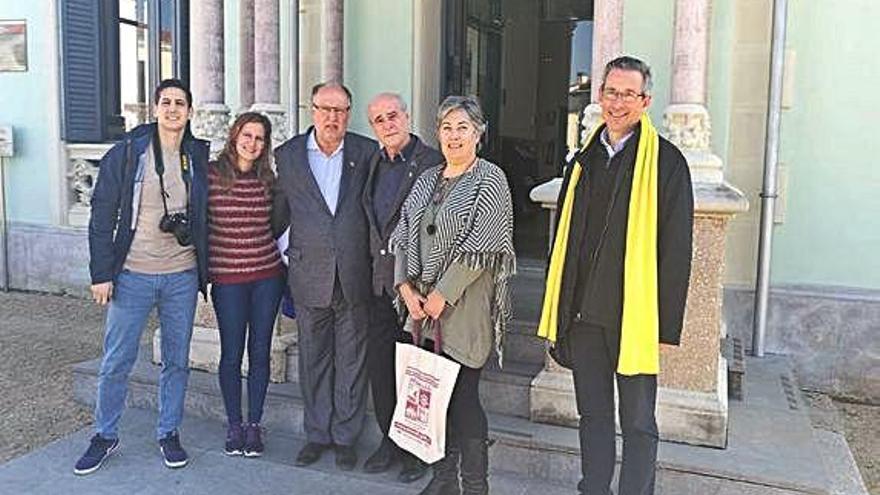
x: 321, y: 174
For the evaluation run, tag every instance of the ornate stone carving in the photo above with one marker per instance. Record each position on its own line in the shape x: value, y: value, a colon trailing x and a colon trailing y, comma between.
x: 591, y: 117
x: 82, y: 176
x: 211, y: 121
x: 277, y: 116
x: 688, y: 126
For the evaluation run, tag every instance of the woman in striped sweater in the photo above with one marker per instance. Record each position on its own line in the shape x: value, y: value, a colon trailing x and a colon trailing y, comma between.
x: 246, y: 272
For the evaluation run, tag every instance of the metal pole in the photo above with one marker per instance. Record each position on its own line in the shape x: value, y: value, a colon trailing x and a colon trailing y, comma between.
x: 771, y: 160
x: 4, y: 249
x: 293, y: 73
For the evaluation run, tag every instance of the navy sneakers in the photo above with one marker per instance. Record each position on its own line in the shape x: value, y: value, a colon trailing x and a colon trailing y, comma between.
x: 99, y: 450
x: 172, y: 452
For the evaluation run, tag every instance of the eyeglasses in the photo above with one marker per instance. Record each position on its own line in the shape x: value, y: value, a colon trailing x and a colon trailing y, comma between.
x: 612, y: 94
x: 330, y: 110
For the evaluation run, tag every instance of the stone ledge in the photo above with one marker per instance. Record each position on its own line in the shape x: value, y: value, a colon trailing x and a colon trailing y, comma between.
x: 696, y: 418
x: 204, y: 352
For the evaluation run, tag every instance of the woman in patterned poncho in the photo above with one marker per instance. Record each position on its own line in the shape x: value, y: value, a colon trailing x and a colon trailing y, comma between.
x: 454, y: 258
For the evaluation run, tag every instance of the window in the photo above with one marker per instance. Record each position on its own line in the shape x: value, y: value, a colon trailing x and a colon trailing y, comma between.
x: 113, y: 57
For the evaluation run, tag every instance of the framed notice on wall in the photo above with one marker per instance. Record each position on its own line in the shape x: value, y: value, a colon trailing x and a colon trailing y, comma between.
x: 13, y: 46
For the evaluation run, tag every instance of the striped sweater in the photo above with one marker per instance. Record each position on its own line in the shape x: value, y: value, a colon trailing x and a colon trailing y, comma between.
x: 240, y: 244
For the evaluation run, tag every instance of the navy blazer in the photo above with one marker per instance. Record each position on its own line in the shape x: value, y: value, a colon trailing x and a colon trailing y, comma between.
x: 324, y: 247
x: 423, y: 158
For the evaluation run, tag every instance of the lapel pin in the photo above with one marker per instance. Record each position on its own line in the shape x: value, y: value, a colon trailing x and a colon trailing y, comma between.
x: 351, y: 164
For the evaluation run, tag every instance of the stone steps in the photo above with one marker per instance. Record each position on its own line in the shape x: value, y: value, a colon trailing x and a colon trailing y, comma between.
x: 772, y: 446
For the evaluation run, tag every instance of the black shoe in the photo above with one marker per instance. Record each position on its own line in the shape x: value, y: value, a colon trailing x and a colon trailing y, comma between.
x: 413, y: 469
x: 253, y: 444
x: 172, y: 453
x: 346, y: 457
x: 234, y: 439
x: 382, y: 458
x: 99, y: 450
x: 310, y: 454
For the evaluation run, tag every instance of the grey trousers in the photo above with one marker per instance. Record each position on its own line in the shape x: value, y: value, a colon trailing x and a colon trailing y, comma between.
x: 332, y: 374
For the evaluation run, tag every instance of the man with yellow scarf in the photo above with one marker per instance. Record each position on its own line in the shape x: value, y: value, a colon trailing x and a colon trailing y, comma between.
x: 618, y: 277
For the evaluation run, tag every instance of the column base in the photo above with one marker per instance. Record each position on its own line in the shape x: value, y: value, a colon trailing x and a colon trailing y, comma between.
x: 204, y: 352
x: 277, y: 115
x: 211, y: 121
x: 692, y: 417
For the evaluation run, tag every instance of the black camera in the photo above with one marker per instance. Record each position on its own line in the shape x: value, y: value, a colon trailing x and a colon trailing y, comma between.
x: 177, y: 224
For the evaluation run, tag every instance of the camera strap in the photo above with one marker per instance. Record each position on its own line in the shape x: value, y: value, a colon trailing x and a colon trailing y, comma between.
x: 159, y: 162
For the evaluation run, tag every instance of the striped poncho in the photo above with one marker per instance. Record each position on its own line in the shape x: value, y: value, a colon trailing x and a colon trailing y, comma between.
x: 476, y: 230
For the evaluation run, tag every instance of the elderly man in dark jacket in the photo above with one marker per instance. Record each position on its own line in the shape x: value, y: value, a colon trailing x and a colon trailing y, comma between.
x: 321, y: 174
x: 148, y: 247
x: 393, y: 170
x: 591, y: 302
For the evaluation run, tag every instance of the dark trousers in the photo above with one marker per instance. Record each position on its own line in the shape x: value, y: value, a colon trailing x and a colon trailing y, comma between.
x: 246, y: 311
x: 332, y: 369
x: 383, y: 333
x: 594, y: 356
x: 465, y: 417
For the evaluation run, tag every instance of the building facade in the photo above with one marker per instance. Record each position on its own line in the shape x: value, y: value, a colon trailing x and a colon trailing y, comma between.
x: 91, y: 66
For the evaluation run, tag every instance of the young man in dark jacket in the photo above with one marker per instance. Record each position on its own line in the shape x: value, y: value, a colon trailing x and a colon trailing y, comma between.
x: 591, y: 302
x: 148, y: 248
x: 393, y: 170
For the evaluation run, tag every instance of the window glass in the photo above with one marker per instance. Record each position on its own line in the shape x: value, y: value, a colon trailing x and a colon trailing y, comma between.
x: 133, y: 62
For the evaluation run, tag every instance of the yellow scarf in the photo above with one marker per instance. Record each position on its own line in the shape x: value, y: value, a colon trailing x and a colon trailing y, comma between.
x: 640, y: 324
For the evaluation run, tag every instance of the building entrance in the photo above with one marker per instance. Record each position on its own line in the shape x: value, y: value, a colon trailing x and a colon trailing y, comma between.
x: 528, y: 61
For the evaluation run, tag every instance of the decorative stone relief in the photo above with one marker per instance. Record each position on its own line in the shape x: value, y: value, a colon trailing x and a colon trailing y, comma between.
x: 591, y: 117
x: 277, y: 116
x: 82, y: 176
x: 211, y: 121
x: 688, y: 126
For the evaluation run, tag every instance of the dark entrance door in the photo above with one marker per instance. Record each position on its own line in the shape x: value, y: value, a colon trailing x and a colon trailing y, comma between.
x: 528, y: 61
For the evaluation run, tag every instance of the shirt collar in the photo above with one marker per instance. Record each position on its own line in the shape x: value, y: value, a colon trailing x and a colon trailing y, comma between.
x: 405, y: 154
x: 312, y: 144
x: 613, y: 150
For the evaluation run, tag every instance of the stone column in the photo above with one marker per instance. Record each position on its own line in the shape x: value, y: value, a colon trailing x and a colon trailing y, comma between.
x: 246, y: 62
x: 211, y: 115
x: 607, y: 44
x: 686, y: 121
x: 332, y: 17
x: 267, y: 81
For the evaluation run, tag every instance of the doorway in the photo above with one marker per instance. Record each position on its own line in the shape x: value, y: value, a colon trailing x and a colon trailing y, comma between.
x: 528, y: 61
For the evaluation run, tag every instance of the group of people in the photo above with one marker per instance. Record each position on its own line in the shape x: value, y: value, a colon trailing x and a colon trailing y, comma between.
x: 383, y: 237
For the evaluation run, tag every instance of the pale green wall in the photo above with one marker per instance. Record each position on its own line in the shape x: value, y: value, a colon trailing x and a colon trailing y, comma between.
x: 378, y: 53
x: 719, y: 78
x: 831, y: 233
x: 27, y: 102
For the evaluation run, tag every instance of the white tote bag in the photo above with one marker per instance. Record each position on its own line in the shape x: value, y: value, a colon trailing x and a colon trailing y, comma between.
x: 424, y: 386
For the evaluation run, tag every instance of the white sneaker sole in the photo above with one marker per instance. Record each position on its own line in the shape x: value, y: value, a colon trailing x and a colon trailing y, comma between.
x: 172, y: 465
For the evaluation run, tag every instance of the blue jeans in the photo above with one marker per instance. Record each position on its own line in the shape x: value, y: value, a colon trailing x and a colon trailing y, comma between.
x: 134, y: 296
x: 246, y: 309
